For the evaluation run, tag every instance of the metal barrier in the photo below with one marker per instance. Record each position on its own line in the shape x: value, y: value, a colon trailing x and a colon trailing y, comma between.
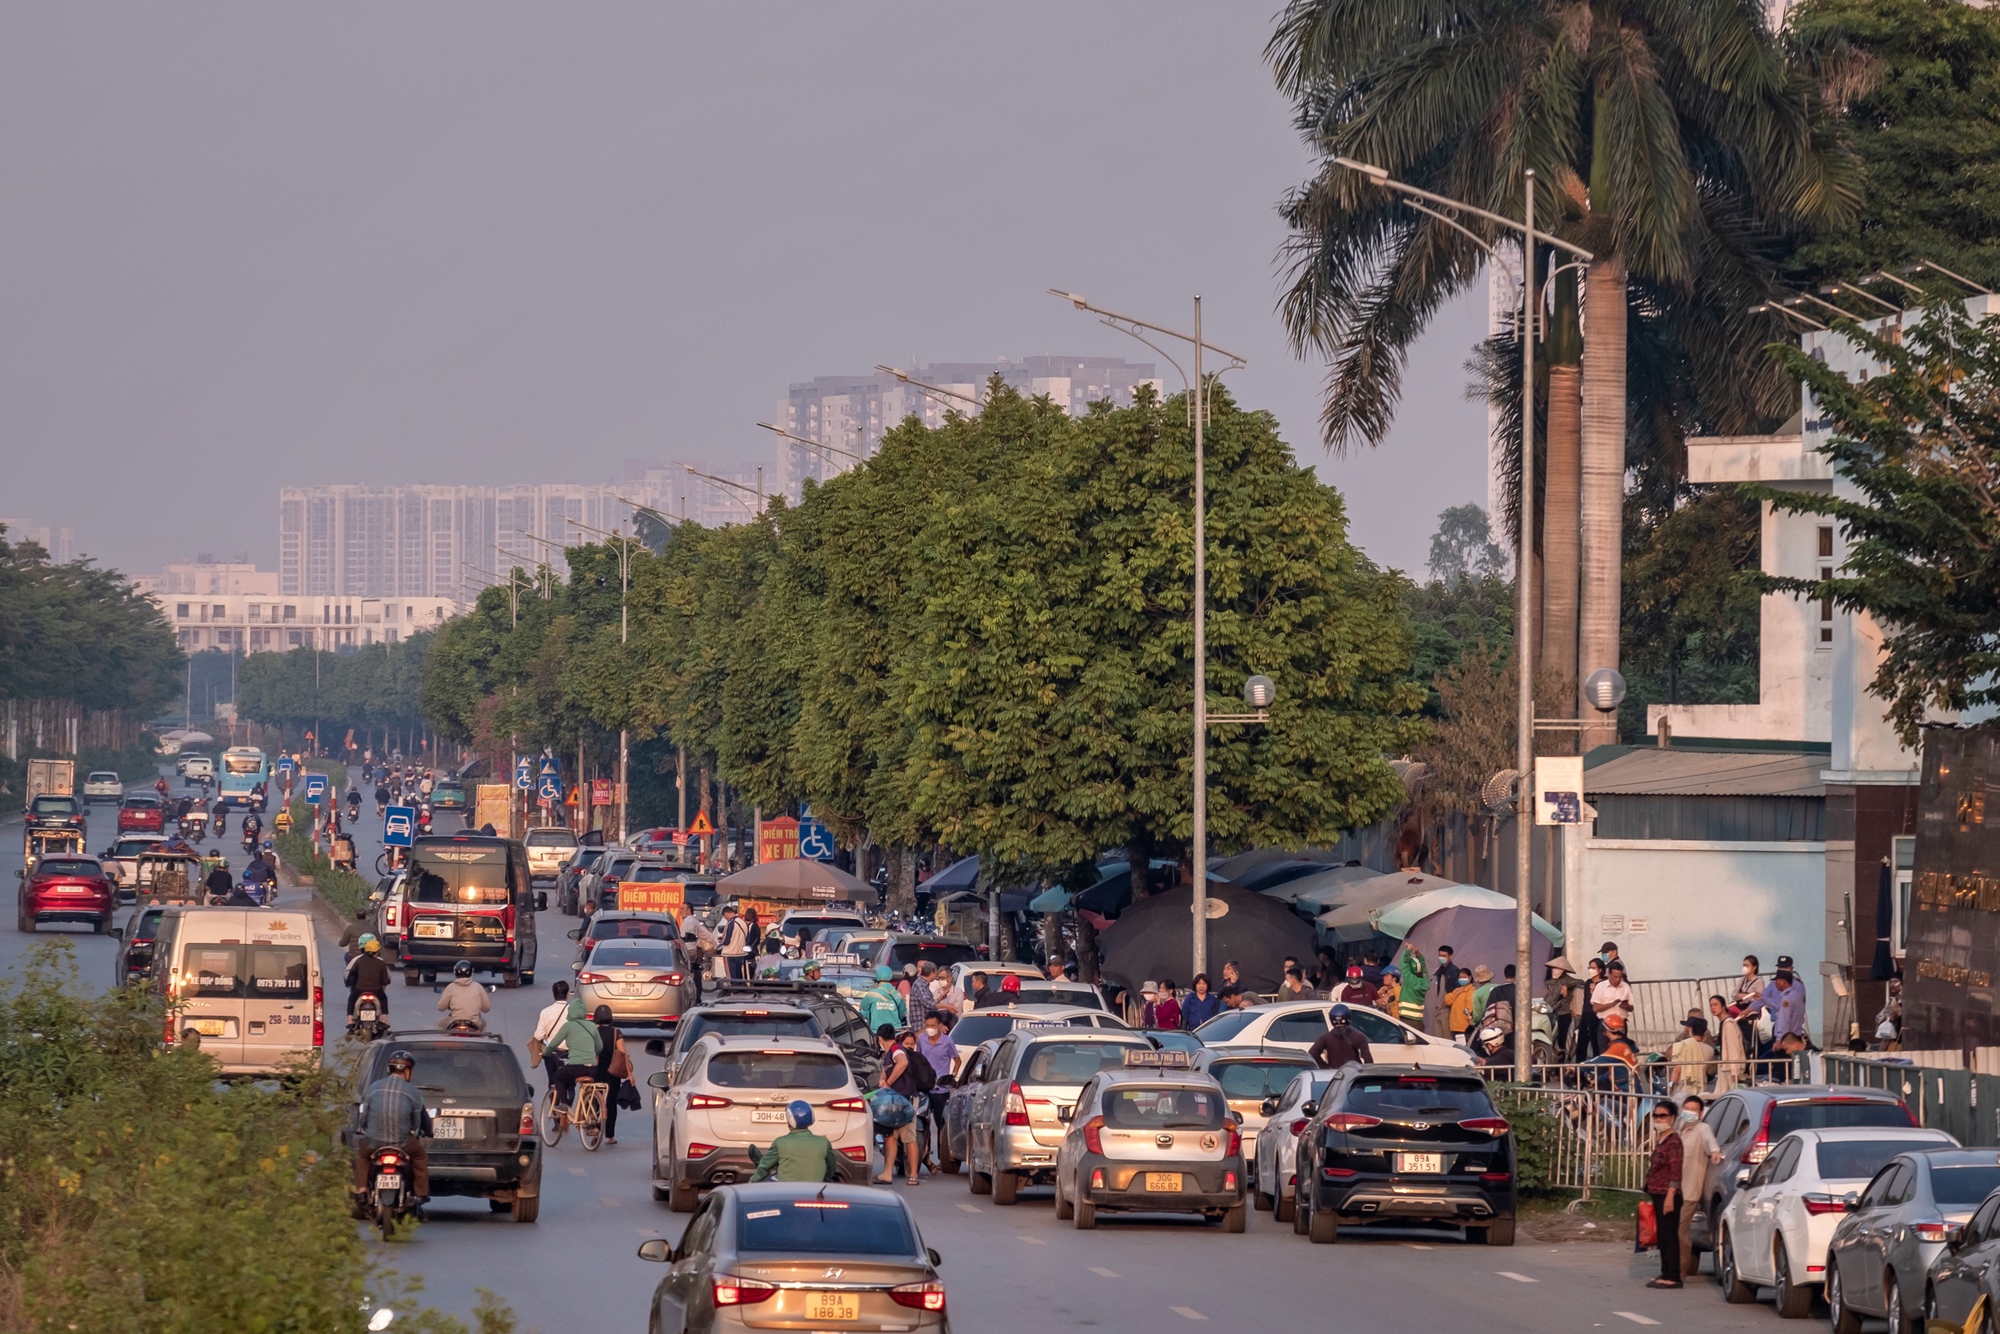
x: 1660, y: 1006
x: 1603, y: 1139
x: 1659, y: 1078
x: 1964, y: 1105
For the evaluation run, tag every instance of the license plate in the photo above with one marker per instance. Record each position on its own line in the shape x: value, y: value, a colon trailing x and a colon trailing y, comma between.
x: 434, y: 930
x: 1163, y: 1181
x: 771, y: 1114
x: 1420, y: 1162
x: 833, y: 1306
x: 388, y: 1181
x: 448, y: 1127
x: 209, y: 1028
x: 630, y: 989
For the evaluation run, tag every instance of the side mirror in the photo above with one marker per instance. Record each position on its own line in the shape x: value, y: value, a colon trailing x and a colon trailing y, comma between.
x: 1310, y: 1108
x: 930, y: 1253
x: 656, y: 1046
x: 576, y: 933
x: 1742, y: 1177
x: 1268, y: 1107
x: 1410, y: 1039
x: 660, y: 1079
x: 656, y: 1250
x: 541, y: 900
x: 576, y: 967
x: 1065, y: 1114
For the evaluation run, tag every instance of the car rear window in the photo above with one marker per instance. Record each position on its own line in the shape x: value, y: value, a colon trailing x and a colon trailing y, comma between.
x: 943, y: 953
x: 1224, y: 1026
x: 1041, y: 993
x: 145, y: 803
x: 1421, y: 1095
x: 66, y: 866
x: 550, y: 838
x: 132, y: 847
x: 469, y: 1071
x: 783, y: 1025
x: 1071, y: 1062
x: 461, y: 874
x: 634, y: 954
x: 1256, y: 1079
x: 651, y: 875
x: 1859, y: 1159
x: 277, y: 972
x: 67, y: 805
x: 974, y: 1029
x: 633, y: 928
x: 102, y: 778
x: 1164, y: 1109
x: 213, y: 970
x: 148, y: 923
x: 1964, y: 1185
x: 777, y: 1070
x: 823, y: 1227
x: 1789, y: 1116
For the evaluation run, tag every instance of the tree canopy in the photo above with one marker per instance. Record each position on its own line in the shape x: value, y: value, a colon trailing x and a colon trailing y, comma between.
x: 80, y: 633
x: 371, y: 686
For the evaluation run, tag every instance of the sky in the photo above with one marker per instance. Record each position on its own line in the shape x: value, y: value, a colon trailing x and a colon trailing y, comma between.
x: 252, y: 246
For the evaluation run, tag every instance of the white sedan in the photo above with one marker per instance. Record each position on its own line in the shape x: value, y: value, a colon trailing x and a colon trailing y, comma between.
x: 1296, y: 1025
x: 1776, y: 1229
x: 1291, y: 1112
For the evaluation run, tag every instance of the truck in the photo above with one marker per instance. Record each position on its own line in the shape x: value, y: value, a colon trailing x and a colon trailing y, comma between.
x: 51, y: 778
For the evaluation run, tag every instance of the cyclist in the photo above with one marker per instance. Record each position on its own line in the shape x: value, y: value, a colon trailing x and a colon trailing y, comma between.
x: 393, y: 1114
x: 800, y: 1154
x: 577, y: 1043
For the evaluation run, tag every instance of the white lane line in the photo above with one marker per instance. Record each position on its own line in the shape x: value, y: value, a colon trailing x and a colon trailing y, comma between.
x: 610, y: 1201
x: 1032, y: 1241
x: 1636, y: 1318
x: 1518, y: 1278
x: 1104, y: 1273
x: 970, y: 1208
x: 578, y: 1172
x: 1415, y: 1246
x: 1187, y: 1311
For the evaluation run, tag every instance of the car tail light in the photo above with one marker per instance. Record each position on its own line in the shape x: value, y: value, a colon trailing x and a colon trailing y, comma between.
x: 1346, y: 1121
x: 1017, y: 1106
x: 671, y: 979
x: 1093, y: 1134
x: 1486, y: 1125
x: 319, y: 1017
x: 921, y: 1296
x: 700, y: 1150
x: 733, y: 1291
x: 707, y: 1100
x: 1097, y: 1178
x: 1235, y: 1149
x: 1938, y: 1232
x: 855, y: 1153
x: 1760, y: 1147
x: 391, y: 915
x: 527, y: 1118
x: 1824, y: 1204
x: 1337, y: 1173
x: 1493, y: 1178
x: 847, y: 1105
x: 1229, y: 1181
x: 587, y: 978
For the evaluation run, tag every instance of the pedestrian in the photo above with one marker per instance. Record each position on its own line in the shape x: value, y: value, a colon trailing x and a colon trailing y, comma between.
x: 614, y: 1068
x: 922, y: 998
x: 1613, y: 995
x: 1294, y: 986
x: 1353, y: 989
x: 1749, y: 987
x: 896, y: 1078
x: 1456, y: 1004
x: 735, y: 943
x: 1232, y: 976
x: 1729, y: 1067
x: 1889, y: 1019
x: 1200, y: 1006
x: 1607, y: 954
x: 981, y: 995
x: 1166, y: 1010
x: 1437, y: 1017
x: 1234, y: 998
x: 1327, y: 974
x: 1663, y: 1187
x: 1388, y: 998
x: 1785, y: 1001
x: 951, y: 997
x: 1691, y: 1061
x: 935, y: 1046
x: 1699, y: 1152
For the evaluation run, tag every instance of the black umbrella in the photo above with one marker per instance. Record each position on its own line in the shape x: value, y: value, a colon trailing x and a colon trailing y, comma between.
x: 1883, y: 966
x: 1154, y: 938
x: 1108, y: 897
x: 1272, y: 874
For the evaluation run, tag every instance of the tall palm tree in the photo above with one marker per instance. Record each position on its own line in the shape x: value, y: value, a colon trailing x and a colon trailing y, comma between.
x: 1672, y: 134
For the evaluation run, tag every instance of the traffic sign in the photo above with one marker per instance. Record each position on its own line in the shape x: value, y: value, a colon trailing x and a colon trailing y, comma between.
x: 549, y: 789
x: 315, y: 789
x: 286, y: 764
x: 815, y: 841
x: 550, y: 766
x: 399, y: 826
x: 524, y: 774
x: 701, y: 826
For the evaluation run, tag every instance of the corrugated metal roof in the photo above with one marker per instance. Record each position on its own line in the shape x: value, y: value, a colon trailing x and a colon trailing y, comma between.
x: 1708, y: 773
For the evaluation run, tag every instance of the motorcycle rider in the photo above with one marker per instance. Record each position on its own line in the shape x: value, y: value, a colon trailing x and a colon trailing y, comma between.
x: 393, y: 1115
x: 801, y: 1154
x: 219, y: 819
x: 464, y: 1000
x: 382, y: 798
x: 218, y: 884
x: 259, y: 871
x: 353, y: 804
x: 1341, y: 1044
x: 368, y: 971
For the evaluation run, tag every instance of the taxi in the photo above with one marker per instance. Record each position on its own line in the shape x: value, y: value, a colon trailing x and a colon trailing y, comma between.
x: 1152, y: 1136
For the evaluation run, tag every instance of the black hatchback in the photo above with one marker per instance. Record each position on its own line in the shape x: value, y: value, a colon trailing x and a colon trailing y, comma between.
x: 1406, y: 1144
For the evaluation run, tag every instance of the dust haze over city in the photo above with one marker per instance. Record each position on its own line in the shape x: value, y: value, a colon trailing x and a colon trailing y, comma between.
x: 251, y: 247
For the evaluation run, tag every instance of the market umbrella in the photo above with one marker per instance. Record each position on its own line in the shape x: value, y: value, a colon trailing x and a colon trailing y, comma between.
x: 1352, y: 918
x: 1274, y: 874
x: 1314, y: 894
x: 1154, y: 938
x: 1053, y: 899
x: 1481, y: 935
x: 1399, y: 918
x: 1235, y: 866
x: 799, y: 878
x: 1108, y: 897
x: 961, y: 874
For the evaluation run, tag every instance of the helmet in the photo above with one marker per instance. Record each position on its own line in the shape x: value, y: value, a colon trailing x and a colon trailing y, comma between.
x: 1337, y: 1015
x: 400, y: 1059
x: 463, y: 968
x: 369, y: 944
x: 882, y: 973
x: 1010, y: 983
x: 909, y: 970
x: 799, y: 1113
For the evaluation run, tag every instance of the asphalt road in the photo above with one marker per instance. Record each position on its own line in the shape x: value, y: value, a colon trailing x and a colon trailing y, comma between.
x: 1007, y: 1269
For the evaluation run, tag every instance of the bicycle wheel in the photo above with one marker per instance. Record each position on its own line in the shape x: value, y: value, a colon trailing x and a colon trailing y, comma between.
x: 590, y: 1116
x: 382, y: 863
x: 553, y: 1124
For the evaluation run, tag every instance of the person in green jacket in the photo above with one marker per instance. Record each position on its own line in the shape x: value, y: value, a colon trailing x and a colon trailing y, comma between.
x: 882, y: 1003
x: 1410, y: 1000
x: 800, y: 1154
x: 582, y: 1041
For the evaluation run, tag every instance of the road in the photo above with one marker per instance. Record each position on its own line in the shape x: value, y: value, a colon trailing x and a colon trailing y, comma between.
x: 1006, y: 1269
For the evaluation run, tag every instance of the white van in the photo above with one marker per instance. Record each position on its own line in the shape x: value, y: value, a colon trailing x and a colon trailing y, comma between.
x: 246, y: 979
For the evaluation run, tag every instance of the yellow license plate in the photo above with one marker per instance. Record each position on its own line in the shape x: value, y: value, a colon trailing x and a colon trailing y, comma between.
x: 833, y: 1306
x: 1163, y: 1181
x: 209, y: 1028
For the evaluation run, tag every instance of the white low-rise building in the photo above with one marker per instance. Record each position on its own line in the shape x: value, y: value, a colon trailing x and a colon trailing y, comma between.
x: 235, y: 606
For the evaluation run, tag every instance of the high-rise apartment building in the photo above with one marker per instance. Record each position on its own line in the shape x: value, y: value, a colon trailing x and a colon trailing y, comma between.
x: 60, y: 543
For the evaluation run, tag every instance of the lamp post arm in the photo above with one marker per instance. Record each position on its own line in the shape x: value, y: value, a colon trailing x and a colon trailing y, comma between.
x: 1519, y: 228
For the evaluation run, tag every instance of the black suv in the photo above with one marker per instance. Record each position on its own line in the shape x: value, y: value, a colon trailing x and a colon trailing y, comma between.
x: 1406, y: 1144
x: 483, y: 1116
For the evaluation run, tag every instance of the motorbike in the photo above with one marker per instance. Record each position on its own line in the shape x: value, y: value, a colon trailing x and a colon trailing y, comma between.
x: 353, y: 809
x: 392, y: 1193
x: 249, y: 839
x: 368, y: 1023
x: 464, y: 1028
x: 423, y: 819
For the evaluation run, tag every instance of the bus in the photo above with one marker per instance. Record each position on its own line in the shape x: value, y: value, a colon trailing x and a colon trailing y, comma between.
x: 245, y: 778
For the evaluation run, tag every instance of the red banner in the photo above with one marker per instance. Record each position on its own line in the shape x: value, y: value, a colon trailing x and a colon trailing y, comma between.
x: 778, y: 840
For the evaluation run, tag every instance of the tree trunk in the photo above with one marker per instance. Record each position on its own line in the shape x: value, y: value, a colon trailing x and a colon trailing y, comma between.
x: 1052, y: 942
x: 1561, y: 482
x: 1086, y: 950
x: 1602, y: 494
x: 902, y: 867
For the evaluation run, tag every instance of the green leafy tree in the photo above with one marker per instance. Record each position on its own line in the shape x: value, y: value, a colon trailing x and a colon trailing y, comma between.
x: 83, y: 634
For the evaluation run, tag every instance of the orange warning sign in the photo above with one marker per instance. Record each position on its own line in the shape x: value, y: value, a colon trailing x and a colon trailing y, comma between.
x: 701, y: 826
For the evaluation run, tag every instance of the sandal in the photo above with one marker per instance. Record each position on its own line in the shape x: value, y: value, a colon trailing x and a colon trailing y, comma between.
x: 912, y: 1181
x: 1664, y: 1283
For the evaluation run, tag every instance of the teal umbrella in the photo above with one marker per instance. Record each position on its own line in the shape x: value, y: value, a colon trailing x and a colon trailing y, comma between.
x: 1397, y: 919
x: 1054, y: 899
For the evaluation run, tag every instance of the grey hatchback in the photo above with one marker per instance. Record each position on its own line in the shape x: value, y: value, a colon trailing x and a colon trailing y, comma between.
x: 1880, y: 1259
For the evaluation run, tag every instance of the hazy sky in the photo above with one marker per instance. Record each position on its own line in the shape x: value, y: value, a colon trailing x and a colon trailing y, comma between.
x: 259, y: 245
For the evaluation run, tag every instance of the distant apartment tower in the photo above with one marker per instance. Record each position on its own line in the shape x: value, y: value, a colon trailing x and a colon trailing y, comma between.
x: 60, y: 543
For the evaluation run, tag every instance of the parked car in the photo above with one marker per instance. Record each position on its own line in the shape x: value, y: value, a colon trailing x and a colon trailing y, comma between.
x: 961, y: 973
x: 1968, y: 1270
x: 1249, y: 1080
x: 1012, y: 1129
x: 602, y: 877
x: 483, y: 1143
x: 1036, y: 992
x: 615, y: 886
x: 140, y: 813
x: 1880, y: 1258
x: 1296, y: 1025
x: 803, y: 927
x: 67, y: 888
x: 548, y: 848
x: 1274, y: 1174
x: 645, y: 982
x: 103, y: 785
x: 732, y: 1018
x: 569, y: 877
x: 1776, y: 1230
x: 1150, y: 1141
x: 1406, y: 1144
x: 1746, y: 1122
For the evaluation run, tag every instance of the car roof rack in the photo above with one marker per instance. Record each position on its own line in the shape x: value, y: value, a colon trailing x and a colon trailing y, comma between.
x: 426, y: 1033
x: 767, y: 986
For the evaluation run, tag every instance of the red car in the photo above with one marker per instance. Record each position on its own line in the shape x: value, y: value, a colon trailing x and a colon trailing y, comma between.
x: 142, y: 813
x: 65, y: 889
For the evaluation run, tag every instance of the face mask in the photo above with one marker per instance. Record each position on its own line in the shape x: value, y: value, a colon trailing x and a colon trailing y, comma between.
x: 1687, y: 1118
x: 1444, y: 958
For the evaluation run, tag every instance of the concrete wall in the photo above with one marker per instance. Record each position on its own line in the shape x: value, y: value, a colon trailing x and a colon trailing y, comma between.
x: 1695, y: 909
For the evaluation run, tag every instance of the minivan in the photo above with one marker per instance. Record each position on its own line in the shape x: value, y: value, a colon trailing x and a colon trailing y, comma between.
x: 247, y: 980
x: 468, y: 896
x: 548, y: 848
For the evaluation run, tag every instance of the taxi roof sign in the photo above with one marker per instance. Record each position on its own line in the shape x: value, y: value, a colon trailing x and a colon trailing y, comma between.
x: 1158, y: 1060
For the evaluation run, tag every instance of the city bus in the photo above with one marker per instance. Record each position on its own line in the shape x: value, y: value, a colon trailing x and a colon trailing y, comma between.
x: 245, y: 770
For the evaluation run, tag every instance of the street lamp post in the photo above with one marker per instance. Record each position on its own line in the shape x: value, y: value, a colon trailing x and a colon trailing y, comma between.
x: 934, y: 390
x: 757, y: 491
x: 1524, y: 626
x: 1126, y: 324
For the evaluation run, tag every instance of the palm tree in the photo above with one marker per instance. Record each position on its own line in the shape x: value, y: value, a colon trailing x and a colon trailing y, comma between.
x: 1676, y: 140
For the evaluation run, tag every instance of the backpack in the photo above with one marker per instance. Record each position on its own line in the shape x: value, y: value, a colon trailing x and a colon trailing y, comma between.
x: 923, y: 1075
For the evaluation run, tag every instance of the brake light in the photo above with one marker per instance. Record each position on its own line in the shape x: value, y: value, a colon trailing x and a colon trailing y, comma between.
x: 1760, y: 1147
x: 389, y: 1158
x: 319, y: 1017
x: 586, y: 978
x: 1299, y: 1127
x: 1487, y: 1125
x: 527, y: 1118
x: 707, y: 1100
x: 1824, y: 1204
x: 921, y: 1296
x: 392, y: 915
x: 1017, y: 1106
x: 671, y: 979
x: 732, y: 1291
x: 855, y: 1153
x: 1235, y: 1149
x: 1938, y: 1232
x: 1346, y: 1121
x: 847, y: 1105
x: 1337, y: 1173
x: 1493, y: 1178
x: 700, y: 1150
x: 1093, y: 1134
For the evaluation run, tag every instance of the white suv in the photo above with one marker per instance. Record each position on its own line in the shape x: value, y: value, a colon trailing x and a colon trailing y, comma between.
x: 725, y: 1103
x: 103, y: 786
x: 548, y: 848
x: 1296, y: 1025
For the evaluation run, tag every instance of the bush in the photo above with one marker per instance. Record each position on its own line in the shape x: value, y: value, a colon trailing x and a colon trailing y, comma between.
x: 1534, y: 1140
x: 345, y: 890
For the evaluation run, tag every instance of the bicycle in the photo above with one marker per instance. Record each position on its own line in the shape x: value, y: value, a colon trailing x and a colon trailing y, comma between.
x: 586, y: 1112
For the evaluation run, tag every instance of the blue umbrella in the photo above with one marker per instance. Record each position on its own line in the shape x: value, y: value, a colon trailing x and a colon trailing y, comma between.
x: 960, y: 874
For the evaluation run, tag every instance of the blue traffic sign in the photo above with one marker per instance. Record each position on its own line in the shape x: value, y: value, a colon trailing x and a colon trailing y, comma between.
x: 315, y: 789
x: 399, y: 826
x: 550, y: 789
x: 550, y: 765
x: 815, y: 841
x: 286, y: 764
x: 524, y: 774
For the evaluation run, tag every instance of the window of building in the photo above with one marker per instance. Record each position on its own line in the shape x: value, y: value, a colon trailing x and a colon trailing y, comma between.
x: 1825, y: 542
x: 291, y: 613
x: 1826, y: 612
x: 297, y: 638
x: 181, y: 610
x: 218, y: 612
x: 256, y: 612
x: 1902, y: 874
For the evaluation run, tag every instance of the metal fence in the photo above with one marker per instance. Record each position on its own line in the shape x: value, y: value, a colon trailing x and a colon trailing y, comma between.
x: 1962, y: 1103
x: 1661, y: 1006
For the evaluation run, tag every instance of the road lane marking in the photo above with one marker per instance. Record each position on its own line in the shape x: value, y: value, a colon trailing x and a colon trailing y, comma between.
x: 578, y: 1172
x: 609, y: 1201
x: 1416, y: 1246
x: 970, y: 1208
x: 1636, y: 1318
x: 1187, y: 1311
x: 1104, y: 1273
x: 1518, y: 1278
x: 1032, y: 1241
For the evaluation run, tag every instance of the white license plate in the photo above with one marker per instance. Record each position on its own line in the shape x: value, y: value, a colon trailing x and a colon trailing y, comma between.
x: 434, y: 930
x: 1420, y: 1162
x: 629, y: 989
x: 448, y: 1127
x: 388, y: 1181
x: 774, y: 1115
